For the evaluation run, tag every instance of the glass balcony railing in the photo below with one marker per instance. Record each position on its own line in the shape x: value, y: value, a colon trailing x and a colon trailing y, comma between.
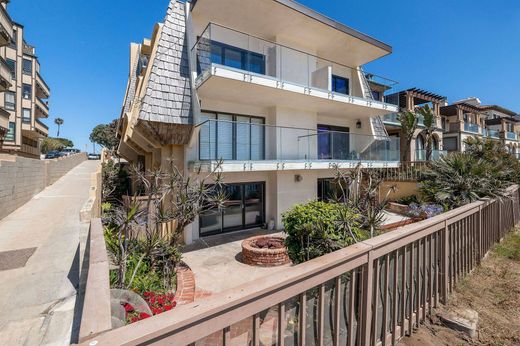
x: 511, y: 136
x: 470, y: 127
x: 225, y: 47
x: 392, y: 119
x: 493, y: 133
x: 246, y: 141
x: 420, y: 155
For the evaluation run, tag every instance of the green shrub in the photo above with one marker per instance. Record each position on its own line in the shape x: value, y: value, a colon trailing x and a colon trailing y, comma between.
x: 317, y: 228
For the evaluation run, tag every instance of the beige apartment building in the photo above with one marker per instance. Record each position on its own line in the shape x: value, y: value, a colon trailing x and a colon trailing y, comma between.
x: 503, y: 124
x: 23, y: 102
x: 276, y: 91
x: 411, y: 100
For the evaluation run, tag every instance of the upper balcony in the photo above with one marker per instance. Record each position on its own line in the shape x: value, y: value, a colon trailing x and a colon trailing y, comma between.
x: 511, y: 136
x: 42, y: 89
x: 41, y: 127
x: 472, y: 128
x: 232, y: 66
x: 248, y: 146
x: 5, y: 75
x: 42, y: 108
x: 6, y: 27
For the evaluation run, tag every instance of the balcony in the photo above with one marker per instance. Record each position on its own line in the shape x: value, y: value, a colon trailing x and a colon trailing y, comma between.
x: 473, y: 128
x: 42, y: 108
x: 493, y: 133
x: 511, y: 136
x: 42, y: 89
x: 233, y: 66
x: 41, y: 127
x: 5, y: 75
x: 258, y: 147
x: 392, y: 120
x: 6, y: 27
x: 420, y: 155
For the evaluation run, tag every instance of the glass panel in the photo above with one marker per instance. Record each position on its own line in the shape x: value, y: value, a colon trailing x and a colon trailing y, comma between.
x: 324, y: 144
x: 256, y: 63
x: 341, y: 146
x: 207, y: 138
x: 233, y: 57
x: 243, y: 138
x: 253, y: 199
x: 268, y: 333
x: 215, y: 339
x: 292, y: 321
x: 225, y: 137
x: 210, y: 222
x: 257, y: 139
x: 233, y: 210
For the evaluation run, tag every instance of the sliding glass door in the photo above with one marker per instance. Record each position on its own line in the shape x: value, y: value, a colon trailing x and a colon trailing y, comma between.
x: 244, y: 208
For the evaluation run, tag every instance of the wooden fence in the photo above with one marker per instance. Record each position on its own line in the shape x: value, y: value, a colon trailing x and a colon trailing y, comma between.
x: 371, y: 293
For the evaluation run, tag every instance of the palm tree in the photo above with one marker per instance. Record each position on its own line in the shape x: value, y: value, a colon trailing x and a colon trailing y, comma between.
x: 429, y: 127
x: 59, y: 122
x: 409, y: 121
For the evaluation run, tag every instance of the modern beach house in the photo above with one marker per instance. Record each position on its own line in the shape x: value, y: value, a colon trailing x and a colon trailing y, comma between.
x: 277, y: 92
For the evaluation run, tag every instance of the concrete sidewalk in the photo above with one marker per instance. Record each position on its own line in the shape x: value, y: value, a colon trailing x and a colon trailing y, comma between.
x: 38, y: 284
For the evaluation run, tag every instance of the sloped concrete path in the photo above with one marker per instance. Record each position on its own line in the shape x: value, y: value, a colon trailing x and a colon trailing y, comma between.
x: 38, y: 285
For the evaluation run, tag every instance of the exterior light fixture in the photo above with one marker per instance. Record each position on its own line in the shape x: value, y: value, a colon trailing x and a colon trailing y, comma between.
x: 358, y: 124
x: 298, y: 178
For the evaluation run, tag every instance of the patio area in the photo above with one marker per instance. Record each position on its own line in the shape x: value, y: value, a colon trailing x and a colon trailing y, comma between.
x: 216, y: 260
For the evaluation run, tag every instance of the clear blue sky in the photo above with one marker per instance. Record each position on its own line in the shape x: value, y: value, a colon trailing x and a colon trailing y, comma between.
x: 454, y: 48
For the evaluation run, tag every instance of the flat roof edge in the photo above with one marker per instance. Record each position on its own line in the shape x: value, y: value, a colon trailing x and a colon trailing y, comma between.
x: 333, y: 23
x: 327, y: 21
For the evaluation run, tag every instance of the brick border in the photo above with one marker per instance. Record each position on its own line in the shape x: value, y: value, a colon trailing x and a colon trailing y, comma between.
x: 185, y: 293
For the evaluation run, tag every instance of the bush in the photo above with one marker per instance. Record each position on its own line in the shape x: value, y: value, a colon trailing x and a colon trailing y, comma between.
x: 459, y: 179
x: 318, y: 228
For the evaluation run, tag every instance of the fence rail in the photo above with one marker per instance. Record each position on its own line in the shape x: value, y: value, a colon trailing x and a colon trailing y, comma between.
x: 370, y: 293
x: 407, y: 171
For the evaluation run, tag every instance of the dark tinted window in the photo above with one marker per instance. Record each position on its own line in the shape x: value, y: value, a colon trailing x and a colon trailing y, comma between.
x: 340, y: 85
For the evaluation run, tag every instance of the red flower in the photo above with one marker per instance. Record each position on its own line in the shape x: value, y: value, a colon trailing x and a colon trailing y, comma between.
x: 168, y: 307
x: 148, y: 294
x: 174, y: 303
x: 128, y: 307
x: 143, y: 315
x: 134, y: 319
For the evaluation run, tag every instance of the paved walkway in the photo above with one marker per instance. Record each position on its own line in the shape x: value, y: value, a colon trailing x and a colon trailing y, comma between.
x: 216, y: 264
x: 38, y: 285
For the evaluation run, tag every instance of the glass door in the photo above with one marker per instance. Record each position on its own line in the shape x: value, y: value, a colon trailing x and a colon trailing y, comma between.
x: 244, y: 208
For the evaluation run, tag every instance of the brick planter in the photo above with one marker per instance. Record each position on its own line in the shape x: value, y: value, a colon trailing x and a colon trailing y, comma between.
x: 264, y: 257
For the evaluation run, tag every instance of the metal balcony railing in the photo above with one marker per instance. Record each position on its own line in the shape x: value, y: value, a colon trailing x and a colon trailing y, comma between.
x: 222, y: 46
x: 241, y: 141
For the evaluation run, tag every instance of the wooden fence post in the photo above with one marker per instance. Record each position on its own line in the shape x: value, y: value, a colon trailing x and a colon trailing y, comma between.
x: 499, y: 220
x: 445, y: 262
x: 479, y: 235
x: 366, y: 311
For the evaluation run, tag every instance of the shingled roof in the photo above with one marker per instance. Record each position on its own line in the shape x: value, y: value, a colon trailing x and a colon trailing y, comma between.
x: 168, y: 93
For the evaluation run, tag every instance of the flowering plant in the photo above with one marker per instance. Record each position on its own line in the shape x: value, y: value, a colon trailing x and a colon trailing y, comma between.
x: 158, y: 303
x: 426, y: 211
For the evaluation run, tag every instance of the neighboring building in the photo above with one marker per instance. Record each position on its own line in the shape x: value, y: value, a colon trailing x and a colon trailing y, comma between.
x: 23, y: 102
x: 503, y: 124
x: 277, y: 93
x: 6, y: 37
x: 463, y: 119
x: 411, y: 100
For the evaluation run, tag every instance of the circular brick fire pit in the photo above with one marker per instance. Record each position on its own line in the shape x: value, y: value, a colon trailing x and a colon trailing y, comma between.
x: 265, y: 251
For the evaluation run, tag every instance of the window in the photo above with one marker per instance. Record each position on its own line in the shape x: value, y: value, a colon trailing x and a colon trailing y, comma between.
x: 27, y: 66
x: 331, y: 190
x: 11, y: 132
x: 450, y: 144
x: 10, y: 100
x: 232, y: 137
x: 27, y: 91
x: 12, y: 66
x: 26, y: 115
x: 340, y: 85
x: 376, y: 95
x: 242, y: 59
x: 334, y: 143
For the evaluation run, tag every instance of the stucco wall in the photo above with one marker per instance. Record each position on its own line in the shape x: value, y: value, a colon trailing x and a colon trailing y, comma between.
x: 22, y: 178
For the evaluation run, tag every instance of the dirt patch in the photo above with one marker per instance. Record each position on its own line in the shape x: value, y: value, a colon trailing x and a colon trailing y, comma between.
x: 493, y: 290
